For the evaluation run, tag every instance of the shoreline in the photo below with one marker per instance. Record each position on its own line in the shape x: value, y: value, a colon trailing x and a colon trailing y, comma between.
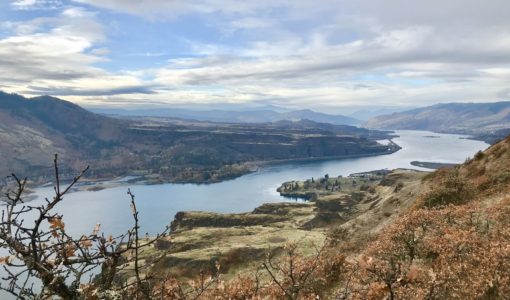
x: 432, y: 165
x: 92, y: 185
x: 254, y: 166
x: 482, y: 137
x: 336, y: 157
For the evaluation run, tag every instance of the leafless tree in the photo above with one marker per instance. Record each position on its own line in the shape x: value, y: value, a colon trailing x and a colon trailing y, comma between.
x: 41, y: 251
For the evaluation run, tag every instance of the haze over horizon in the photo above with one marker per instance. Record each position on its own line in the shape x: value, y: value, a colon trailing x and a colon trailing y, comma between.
x: 322, y: 55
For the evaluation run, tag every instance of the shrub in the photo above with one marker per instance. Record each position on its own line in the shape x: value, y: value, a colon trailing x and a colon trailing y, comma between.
x: 456, y: 252
x: 479, y: 155
x: 452, y: 189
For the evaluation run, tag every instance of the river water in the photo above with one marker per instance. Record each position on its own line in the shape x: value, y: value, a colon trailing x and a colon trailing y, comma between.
x: 159, y: 203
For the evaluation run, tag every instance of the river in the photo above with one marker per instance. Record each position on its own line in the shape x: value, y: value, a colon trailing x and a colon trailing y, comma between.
x: 159, y: 203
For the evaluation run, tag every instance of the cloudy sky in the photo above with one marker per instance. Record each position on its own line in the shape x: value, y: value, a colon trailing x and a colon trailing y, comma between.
x: 320, y: 54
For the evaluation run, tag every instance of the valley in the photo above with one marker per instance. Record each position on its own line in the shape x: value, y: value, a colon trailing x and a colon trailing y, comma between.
x: 242, y: 194
x: 162, y: 149
x: 254, y: 150
x: 372, y: 235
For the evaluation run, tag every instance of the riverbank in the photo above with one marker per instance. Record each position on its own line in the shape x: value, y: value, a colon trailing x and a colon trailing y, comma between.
x: 158, y: 203
x: 235, y: 171
x: 392, y: 148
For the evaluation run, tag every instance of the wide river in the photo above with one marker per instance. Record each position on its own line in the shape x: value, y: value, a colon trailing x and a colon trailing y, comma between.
x: 159, y: 203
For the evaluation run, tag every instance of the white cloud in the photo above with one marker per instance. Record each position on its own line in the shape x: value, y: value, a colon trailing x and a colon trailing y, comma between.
x: 23, y: 3
x: 57, y: 56
x: 252, y: 23
x: 298, y: 53
x: 36, y: 4
x: 77, y: 12
x: 49, y: 48
x: 166, y: 8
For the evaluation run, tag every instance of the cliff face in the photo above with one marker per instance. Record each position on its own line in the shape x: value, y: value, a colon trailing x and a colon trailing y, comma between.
x: 292, y: 147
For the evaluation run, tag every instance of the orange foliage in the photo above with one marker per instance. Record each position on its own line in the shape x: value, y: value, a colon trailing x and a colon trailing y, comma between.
x: 455, y: 252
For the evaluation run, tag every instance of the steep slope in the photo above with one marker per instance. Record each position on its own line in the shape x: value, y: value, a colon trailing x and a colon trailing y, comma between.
x: 34, y: 129
x: 478, y: 178
x: 24, y: 147
x: 469, y: 118
x: 453, y: 243
x: 56, y: 114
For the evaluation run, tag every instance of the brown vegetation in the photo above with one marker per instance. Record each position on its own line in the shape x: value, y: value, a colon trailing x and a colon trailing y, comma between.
x: 442, y: 236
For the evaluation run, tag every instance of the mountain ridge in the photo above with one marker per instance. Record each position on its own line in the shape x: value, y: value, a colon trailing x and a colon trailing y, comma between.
x: 487, y: 121
x: 235, y: 116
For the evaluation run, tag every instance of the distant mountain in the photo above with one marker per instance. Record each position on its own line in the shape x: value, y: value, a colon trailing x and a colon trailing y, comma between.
x: 307, y: 114
x: 32, y: 130
x: 479, y: 119
x: 338, y: 130
x: 367, y: 114
x: 231, y: 116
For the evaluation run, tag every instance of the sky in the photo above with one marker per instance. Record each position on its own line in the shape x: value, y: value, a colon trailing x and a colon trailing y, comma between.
x: 320, y: 54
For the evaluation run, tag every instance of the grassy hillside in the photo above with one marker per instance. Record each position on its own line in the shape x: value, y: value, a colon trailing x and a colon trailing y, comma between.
x: 453, y: 243
x: 35, y: 129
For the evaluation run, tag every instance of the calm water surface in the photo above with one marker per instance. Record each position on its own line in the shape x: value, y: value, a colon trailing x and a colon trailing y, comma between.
x: 159, y: 203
